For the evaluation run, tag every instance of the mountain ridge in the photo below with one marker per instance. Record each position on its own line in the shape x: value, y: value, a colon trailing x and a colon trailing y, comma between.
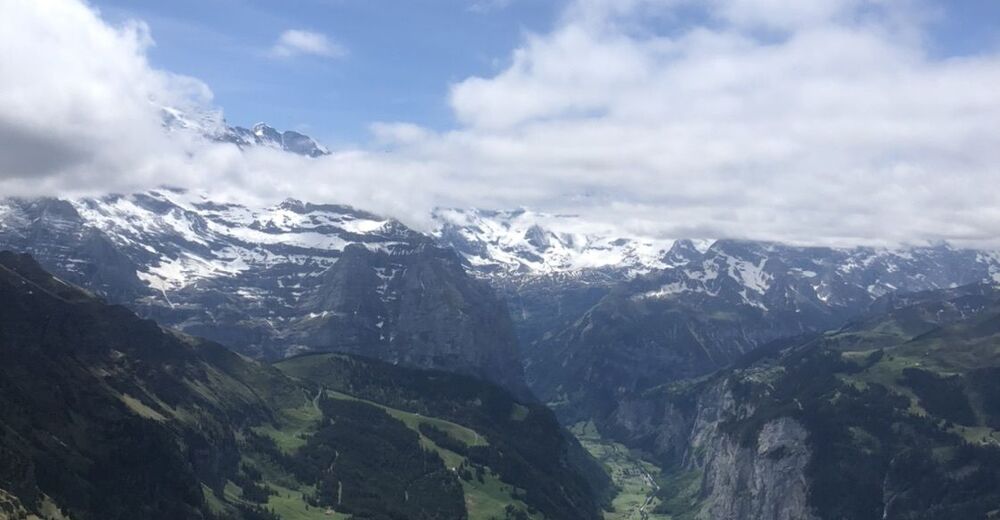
x: 891, y: 416
x: 212, y: 126
x: 252, y: 276
x: 264, y: 280
x: 106, y: 415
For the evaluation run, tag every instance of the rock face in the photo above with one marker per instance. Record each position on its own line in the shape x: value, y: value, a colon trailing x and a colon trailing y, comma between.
x: 766, y: 482
x: 275, y: 281
x: 59, y: 238
x: 759, y: 478
x: 872, y: 420
x: 416, y: 308
x: 263, y: 135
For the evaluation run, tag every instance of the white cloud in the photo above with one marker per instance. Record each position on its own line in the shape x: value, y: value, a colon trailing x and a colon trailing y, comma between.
x: 78, y: 101
x: 783, y: 14
x: 297, y: 42
x: 840, y: 128
x: 488, y: 6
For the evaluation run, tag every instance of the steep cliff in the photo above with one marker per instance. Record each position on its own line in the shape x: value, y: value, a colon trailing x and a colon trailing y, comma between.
x: 711, y: 473
x: 415, y: 307
x: 893, y: 416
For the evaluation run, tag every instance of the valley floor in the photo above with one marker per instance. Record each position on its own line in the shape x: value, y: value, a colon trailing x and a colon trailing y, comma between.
x: 636, y: 478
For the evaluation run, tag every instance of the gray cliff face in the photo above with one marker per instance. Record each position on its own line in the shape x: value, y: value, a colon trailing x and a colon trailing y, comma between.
x: 657, y: 426
x: 710, y: 308
x: 764, y: 482
x: 737, y: 479
x: 416, y: 308
x: 263, y: 135
x: 814, y: 428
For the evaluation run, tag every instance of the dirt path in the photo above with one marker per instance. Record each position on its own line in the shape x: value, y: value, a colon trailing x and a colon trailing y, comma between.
x: 315, y: 400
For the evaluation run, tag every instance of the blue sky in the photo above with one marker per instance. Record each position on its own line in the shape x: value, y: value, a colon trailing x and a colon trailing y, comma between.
x: 401, y: 55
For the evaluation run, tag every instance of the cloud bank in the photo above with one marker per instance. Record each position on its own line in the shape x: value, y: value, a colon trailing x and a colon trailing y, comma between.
x: 822, y: 122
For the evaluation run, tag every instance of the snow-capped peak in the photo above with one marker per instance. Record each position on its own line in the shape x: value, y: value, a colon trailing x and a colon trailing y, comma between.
x: 207, y: 123
x: 523, y: 244
x: 521, y: 241
x: 212, y: 125
x: 189, y: 237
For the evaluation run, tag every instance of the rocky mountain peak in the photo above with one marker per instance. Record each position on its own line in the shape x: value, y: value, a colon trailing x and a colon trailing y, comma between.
x: 210, y: 124
x: 683, y: 252
x: 266, y: 133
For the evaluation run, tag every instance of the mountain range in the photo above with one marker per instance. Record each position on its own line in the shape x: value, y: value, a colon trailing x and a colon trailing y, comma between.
x: 582, y: 312
x: 754, y: 375
x: 277, y: 281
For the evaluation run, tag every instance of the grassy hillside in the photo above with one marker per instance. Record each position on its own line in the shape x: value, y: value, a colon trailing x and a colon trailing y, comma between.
x: 107, y: 416
x: 484, y: 495
x: 504, y: 450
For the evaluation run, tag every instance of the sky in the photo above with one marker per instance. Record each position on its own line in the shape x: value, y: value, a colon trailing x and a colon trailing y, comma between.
x: 394, y: 59
x: 813, y: 122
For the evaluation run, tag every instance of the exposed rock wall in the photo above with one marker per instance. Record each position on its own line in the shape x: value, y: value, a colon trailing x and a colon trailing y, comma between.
x: 762, y: 478
x: 765, y: 482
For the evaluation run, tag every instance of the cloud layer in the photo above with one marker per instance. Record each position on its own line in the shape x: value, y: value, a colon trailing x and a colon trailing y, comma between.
x: 298, y: 42
x: 820, y: 123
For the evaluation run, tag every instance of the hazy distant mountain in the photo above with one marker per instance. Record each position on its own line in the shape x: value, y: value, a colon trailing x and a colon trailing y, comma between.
x: 603, y: 315
x: 698, y: 316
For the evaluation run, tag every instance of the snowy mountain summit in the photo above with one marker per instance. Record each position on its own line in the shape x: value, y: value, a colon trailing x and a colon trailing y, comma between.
x: 275, y: 280
x: 263, y: 135
x: 521, y: 242
x: 211, y: 125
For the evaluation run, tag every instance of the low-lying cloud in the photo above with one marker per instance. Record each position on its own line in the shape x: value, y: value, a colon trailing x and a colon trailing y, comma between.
x: 825, y: 123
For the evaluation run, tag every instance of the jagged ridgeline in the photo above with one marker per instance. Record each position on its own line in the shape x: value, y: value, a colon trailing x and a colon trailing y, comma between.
x: 893, y: 416
x: 275, y: 281
x: 107, y: 416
